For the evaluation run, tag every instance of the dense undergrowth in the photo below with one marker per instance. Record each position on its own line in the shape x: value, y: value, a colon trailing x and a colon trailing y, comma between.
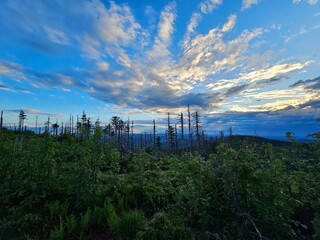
x: 84, y: 189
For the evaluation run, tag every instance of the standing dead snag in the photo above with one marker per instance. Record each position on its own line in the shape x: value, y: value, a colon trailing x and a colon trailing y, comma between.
x: 154, y: 134
x: 197, y: 125
x: 182, y: 129
x: 1, y: 120
x: 22, y: 117
x: 189, y: 127
x: 47, y: 125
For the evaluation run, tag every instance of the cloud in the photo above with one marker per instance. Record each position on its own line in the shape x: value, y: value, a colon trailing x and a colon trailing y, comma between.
x: 303, y: 30
x: 36, y: 79
x: 310, y: 2
x: 273, y: 71
x: 116, y: 25
x: 275, y: 94
x: 123, y: 64
x: 309, y: 84
x: 165, y: 27
x: 193, y: 24
x: 6, y: 88
x: 207, y: 6
x: 151, y: 15
x: 263, y: 122
x: 228, y: 26
x: 248, y: 3
x: 56, y: 36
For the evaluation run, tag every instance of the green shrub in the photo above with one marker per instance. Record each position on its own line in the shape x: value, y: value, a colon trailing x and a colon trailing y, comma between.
x: 85, y: 220
x: 70, y: 225
x: 164, y: 226
x: 58, y: 233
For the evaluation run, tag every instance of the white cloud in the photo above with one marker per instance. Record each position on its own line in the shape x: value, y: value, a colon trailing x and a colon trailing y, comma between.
x: 56, y: 36
x: 228, y: 26
x: 256, y: 76
x: 166, y: 24
x: 248, y: 3
x: 207, y: 6
x: 103, y: 66
x: 194, y: 21
x: 116, y: 25
x: 284, y: 103
x: 276, y: 94
x: 310, y: 2
x: 272, y: 71
x: 90, y: 47
x: 119, y: 74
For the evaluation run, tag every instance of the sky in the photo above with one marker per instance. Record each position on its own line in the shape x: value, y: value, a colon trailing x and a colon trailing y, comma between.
x: 253, y: 65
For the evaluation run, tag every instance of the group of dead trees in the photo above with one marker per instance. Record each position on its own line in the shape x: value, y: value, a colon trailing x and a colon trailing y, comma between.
x: 176, y: 136
x: 181, y: 132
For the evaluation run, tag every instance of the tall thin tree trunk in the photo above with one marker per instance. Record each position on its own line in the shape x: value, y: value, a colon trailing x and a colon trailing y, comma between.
x: 197, y: 128
x: 36, y: 124
x: 168, y: 136
x: 154, y: 134
x: 182, y: 129
x: 1, y: 120
x: 189, y: 127
x: 176, y: 138
x: 132, y: 138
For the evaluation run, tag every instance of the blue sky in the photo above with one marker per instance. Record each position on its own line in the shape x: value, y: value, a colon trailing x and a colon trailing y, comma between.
x: 252, y: 65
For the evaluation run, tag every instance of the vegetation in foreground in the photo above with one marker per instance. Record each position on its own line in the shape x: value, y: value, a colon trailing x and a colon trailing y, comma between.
x: 68, y: 188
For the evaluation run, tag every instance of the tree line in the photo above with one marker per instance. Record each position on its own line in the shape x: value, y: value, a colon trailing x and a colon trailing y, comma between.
x: 182, y: 131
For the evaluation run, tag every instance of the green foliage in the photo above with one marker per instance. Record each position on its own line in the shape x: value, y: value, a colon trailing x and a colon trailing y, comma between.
x: 70, y: 225
x: 112, y: 218
x: 129, y: 224
x: 57, y: 233
x: 82, y: 188
x: 85, y: 220
x: 164, y: 226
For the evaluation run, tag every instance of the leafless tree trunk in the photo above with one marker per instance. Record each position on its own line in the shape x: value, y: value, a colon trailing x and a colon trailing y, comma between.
x: 1, y: 120
x: 189, y: 126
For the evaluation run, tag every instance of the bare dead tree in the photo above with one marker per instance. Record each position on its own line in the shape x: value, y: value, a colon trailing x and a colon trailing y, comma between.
x: 197, y: 125
x: 189, y: 127
x: 22, y: 117
x: 36, y: 124
x: 168, y: 131
x: 47, y: 125
x: 176, y: 138
x: 230, y: 131
x: 1, y: 120
x: 154, y: 134
x: 132, y: 139
x: 181, y: 120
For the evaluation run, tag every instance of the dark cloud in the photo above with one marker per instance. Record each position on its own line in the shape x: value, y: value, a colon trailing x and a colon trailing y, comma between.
x: 312, y: 84
x: 236, y: 90
x: 273, y: 80
x: 4, y: 87
x: 41, y: 79
x: 300, y: 119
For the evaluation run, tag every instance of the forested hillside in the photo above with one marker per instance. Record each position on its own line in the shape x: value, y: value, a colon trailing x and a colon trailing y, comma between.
x: 84, y: 188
